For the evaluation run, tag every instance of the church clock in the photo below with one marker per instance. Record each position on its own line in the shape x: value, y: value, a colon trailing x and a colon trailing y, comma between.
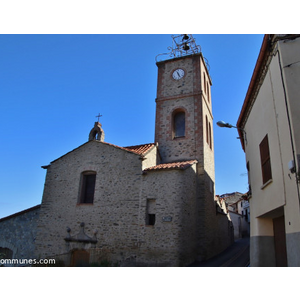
x: 178, y: 74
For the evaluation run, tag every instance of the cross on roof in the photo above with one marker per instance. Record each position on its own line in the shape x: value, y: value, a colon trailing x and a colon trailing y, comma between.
x: 98, y: 117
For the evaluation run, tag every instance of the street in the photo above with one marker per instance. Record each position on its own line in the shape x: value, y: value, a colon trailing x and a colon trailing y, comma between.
x: 237, y: 255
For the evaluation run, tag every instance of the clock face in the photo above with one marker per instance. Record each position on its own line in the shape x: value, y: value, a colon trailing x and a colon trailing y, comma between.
x: 178, y: 74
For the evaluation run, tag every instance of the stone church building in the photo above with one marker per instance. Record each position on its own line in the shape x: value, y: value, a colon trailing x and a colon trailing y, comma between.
x: 144, y: 205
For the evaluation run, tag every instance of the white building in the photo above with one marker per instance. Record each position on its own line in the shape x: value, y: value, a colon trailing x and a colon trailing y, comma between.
x: 269, y: 126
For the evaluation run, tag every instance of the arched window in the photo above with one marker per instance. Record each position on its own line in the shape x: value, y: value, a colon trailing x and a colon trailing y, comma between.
x: 179, y: 124
x: 88, y: 181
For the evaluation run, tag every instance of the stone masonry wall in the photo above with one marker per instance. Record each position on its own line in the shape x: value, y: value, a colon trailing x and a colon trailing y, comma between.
x: 18, y: 233
x: 172, y: 240
x: 114, y: 213
x: 118, y: 213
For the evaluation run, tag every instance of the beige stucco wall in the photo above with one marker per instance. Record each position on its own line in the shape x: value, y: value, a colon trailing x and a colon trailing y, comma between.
x: 151, y: 158
x: 290, y: 58
x: 275, y: 112
x: 269, y: 116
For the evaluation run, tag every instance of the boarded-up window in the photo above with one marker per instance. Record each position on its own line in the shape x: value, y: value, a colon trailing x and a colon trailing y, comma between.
x: 265, y: 160
x: 88, y: 181
x: 179, y: 124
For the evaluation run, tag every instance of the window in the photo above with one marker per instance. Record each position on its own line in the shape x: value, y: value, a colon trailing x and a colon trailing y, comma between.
x: 206, y: 123
x: 151, y: 210
x: 151, y: 219
x: 265, y: 160
x: 88, y: 181
x: 208, y: 132
x: 207, y: 91
x: 249, y: 180
x: 179, y: 124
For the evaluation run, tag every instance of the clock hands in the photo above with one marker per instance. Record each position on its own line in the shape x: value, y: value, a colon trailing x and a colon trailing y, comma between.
x: 178, y: 74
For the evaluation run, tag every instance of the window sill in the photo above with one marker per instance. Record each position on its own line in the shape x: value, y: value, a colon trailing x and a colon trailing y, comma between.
x: 179, y: 137
x: 267, y: 183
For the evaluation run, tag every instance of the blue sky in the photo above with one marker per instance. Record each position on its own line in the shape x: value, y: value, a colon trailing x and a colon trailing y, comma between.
x: 53, y: 86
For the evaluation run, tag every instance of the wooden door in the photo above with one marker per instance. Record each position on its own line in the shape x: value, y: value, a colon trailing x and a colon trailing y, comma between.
x: 280, y: 242
x: 80, y: 258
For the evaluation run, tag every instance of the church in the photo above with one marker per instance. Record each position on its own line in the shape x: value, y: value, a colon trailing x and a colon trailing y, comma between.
x: 141, y: 205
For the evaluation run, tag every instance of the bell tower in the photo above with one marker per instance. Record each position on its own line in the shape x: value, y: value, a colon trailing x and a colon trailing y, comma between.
x: 183, y: 125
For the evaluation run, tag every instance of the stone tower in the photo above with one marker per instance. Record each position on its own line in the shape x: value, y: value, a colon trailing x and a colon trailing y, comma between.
x: 183, y: 128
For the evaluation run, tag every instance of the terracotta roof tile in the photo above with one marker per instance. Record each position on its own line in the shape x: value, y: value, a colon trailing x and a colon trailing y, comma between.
x: 140, y: 149
x: 175, y: 165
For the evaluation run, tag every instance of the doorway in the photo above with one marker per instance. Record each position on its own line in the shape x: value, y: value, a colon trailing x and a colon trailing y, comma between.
x: 280, y: 242
x: 80, y: 258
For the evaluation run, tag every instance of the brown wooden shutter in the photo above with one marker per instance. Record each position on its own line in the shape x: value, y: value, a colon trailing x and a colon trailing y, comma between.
x: 265, y: 159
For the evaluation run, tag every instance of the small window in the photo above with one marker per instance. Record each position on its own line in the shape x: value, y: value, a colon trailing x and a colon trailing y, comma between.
x: 151, y: 219
x: 206, y: 126
x: 209, y: 134
x: 88, y: 181
x: 265, y: 160
x: 151, y: 210
x: 249, y: 180
x: 179, y: 124
x: 207, y: 91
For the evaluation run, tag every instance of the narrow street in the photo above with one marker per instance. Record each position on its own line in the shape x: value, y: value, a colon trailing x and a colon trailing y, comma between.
x: 237, y: 255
